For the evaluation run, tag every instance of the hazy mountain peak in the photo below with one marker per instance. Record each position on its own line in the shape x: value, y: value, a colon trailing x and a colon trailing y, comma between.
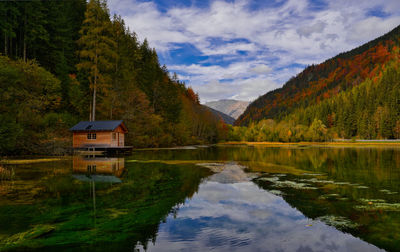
x: 233, y: 108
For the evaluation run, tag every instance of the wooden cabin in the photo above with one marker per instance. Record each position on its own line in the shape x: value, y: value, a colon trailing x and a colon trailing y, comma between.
x: 99, y: 134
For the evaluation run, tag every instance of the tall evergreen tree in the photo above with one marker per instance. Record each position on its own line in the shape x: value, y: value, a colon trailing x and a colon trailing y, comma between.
x: 97, y: 48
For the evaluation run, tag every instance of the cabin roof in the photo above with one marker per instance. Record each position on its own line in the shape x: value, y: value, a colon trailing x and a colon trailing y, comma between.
x: 98, y: 126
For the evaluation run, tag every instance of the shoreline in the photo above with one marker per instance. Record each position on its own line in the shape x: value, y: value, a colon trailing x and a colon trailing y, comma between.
x: 15, y: 160
x: 364, y: 144
x: 338, y: 144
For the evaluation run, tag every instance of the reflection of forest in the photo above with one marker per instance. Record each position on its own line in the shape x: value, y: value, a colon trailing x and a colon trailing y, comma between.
x: 379, y: 167
x: 373, y: 166
x: 6, y: 177
x: 126, y: 214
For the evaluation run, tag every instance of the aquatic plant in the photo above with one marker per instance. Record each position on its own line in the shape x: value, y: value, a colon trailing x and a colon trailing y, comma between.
x: 377, y: 205
x: 276, y: 192
x: 338, y: 222
x: 27, y: 237
x: 287, y: 183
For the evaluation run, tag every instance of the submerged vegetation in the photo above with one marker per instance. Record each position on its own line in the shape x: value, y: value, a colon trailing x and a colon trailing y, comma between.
x: 117, y: 216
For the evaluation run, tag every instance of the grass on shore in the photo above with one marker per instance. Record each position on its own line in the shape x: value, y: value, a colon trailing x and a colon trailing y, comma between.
x: 318, y: 144
x: 28, y: 161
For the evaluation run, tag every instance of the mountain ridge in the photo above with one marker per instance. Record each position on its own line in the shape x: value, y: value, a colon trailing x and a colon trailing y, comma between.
x: 224, y: 117
x: 327, y: 79
x: 230, y: 107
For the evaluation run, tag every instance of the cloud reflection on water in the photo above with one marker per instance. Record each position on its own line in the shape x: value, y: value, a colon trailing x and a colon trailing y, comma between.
x: 241, y: 216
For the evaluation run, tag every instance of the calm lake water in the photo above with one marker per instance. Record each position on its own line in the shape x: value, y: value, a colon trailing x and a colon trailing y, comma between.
x: 217, y: 198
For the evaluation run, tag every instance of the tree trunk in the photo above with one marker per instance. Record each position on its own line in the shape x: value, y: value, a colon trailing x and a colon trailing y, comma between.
x: 94, y: 91
x: 24, y: 49
x: 25, y: 37
x: 90, y: 111
x: 5, y: 44
x: 94, y: 103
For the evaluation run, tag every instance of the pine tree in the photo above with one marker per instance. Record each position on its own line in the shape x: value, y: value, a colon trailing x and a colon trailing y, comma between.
x: 8, y: 26
x: 97, y: 48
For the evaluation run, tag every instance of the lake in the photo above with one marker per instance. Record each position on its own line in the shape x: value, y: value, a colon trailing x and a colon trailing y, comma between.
x: 225, y: 198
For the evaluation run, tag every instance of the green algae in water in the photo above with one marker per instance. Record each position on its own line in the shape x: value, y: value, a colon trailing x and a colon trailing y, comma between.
x: 115, y: 213
x: 338, y: 222
x: 329, y: 196
x: 387, y: 191
x: 270, y: 179
x: 294, y: 185
x: 27, y: 238
x: 287, y: 183
x: 342, y: 183
x: 367, y: 201
x: 377, y: 205
x: 312, y: 174
x: 315, y: 180
x: 276, y: 192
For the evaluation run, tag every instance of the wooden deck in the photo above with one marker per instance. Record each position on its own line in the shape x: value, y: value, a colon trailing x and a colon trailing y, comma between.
x: 98, y: 150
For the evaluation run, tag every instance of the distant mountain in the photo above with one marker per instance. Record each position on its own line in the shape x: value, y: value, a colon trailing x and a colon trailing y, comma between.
x: 227, y: 119
x: 232, y: 108
x: 317, y: 84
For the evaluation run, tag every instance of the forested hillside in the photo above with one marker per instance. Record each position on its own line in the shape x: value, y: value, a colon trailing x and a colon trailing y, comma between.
x: 355, y: 94
x: 58, y: 55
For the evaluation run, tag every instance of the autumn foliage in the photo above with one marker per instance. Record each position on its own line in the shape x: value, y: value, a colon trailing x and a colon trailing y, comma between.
x: 320, y: 82
x: 354, y: 94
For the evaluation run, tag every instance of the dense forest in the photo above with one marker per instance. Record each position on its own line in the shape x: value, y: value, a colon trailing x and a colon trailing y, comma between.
x: 353, y: 95
x: 57, y: 56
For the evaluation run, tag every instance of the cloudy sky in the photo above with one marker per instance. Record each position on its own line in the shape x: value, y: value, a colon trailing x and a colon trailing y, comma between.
x: 242, y: 49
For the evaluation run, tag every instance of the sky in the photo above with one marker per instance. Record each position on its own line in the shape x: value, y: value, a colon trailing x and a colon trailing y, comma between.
x: 241, y: 49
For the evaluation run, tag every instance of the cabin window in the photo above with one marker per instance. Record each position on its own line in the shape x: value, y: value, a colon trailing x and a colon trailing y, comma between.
x: 114, y: 135
x: 91, y: 136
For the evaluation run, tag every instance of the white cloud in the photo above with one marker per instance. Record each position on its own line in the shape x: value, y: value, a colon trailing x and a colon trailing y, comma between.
x: 306, y: 31
x: 373, y: 26
x: 261, y: 69
x: 251, y: 42
x: 241, y: 89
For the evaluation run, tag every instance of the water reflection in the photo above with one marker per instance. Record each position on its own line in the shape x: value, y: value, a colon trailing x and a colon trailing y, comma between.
x: 241, y: 216
x: 6, y: 179
x: 220, y: 198
x: 98, y: 169
x: 356, y: 190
